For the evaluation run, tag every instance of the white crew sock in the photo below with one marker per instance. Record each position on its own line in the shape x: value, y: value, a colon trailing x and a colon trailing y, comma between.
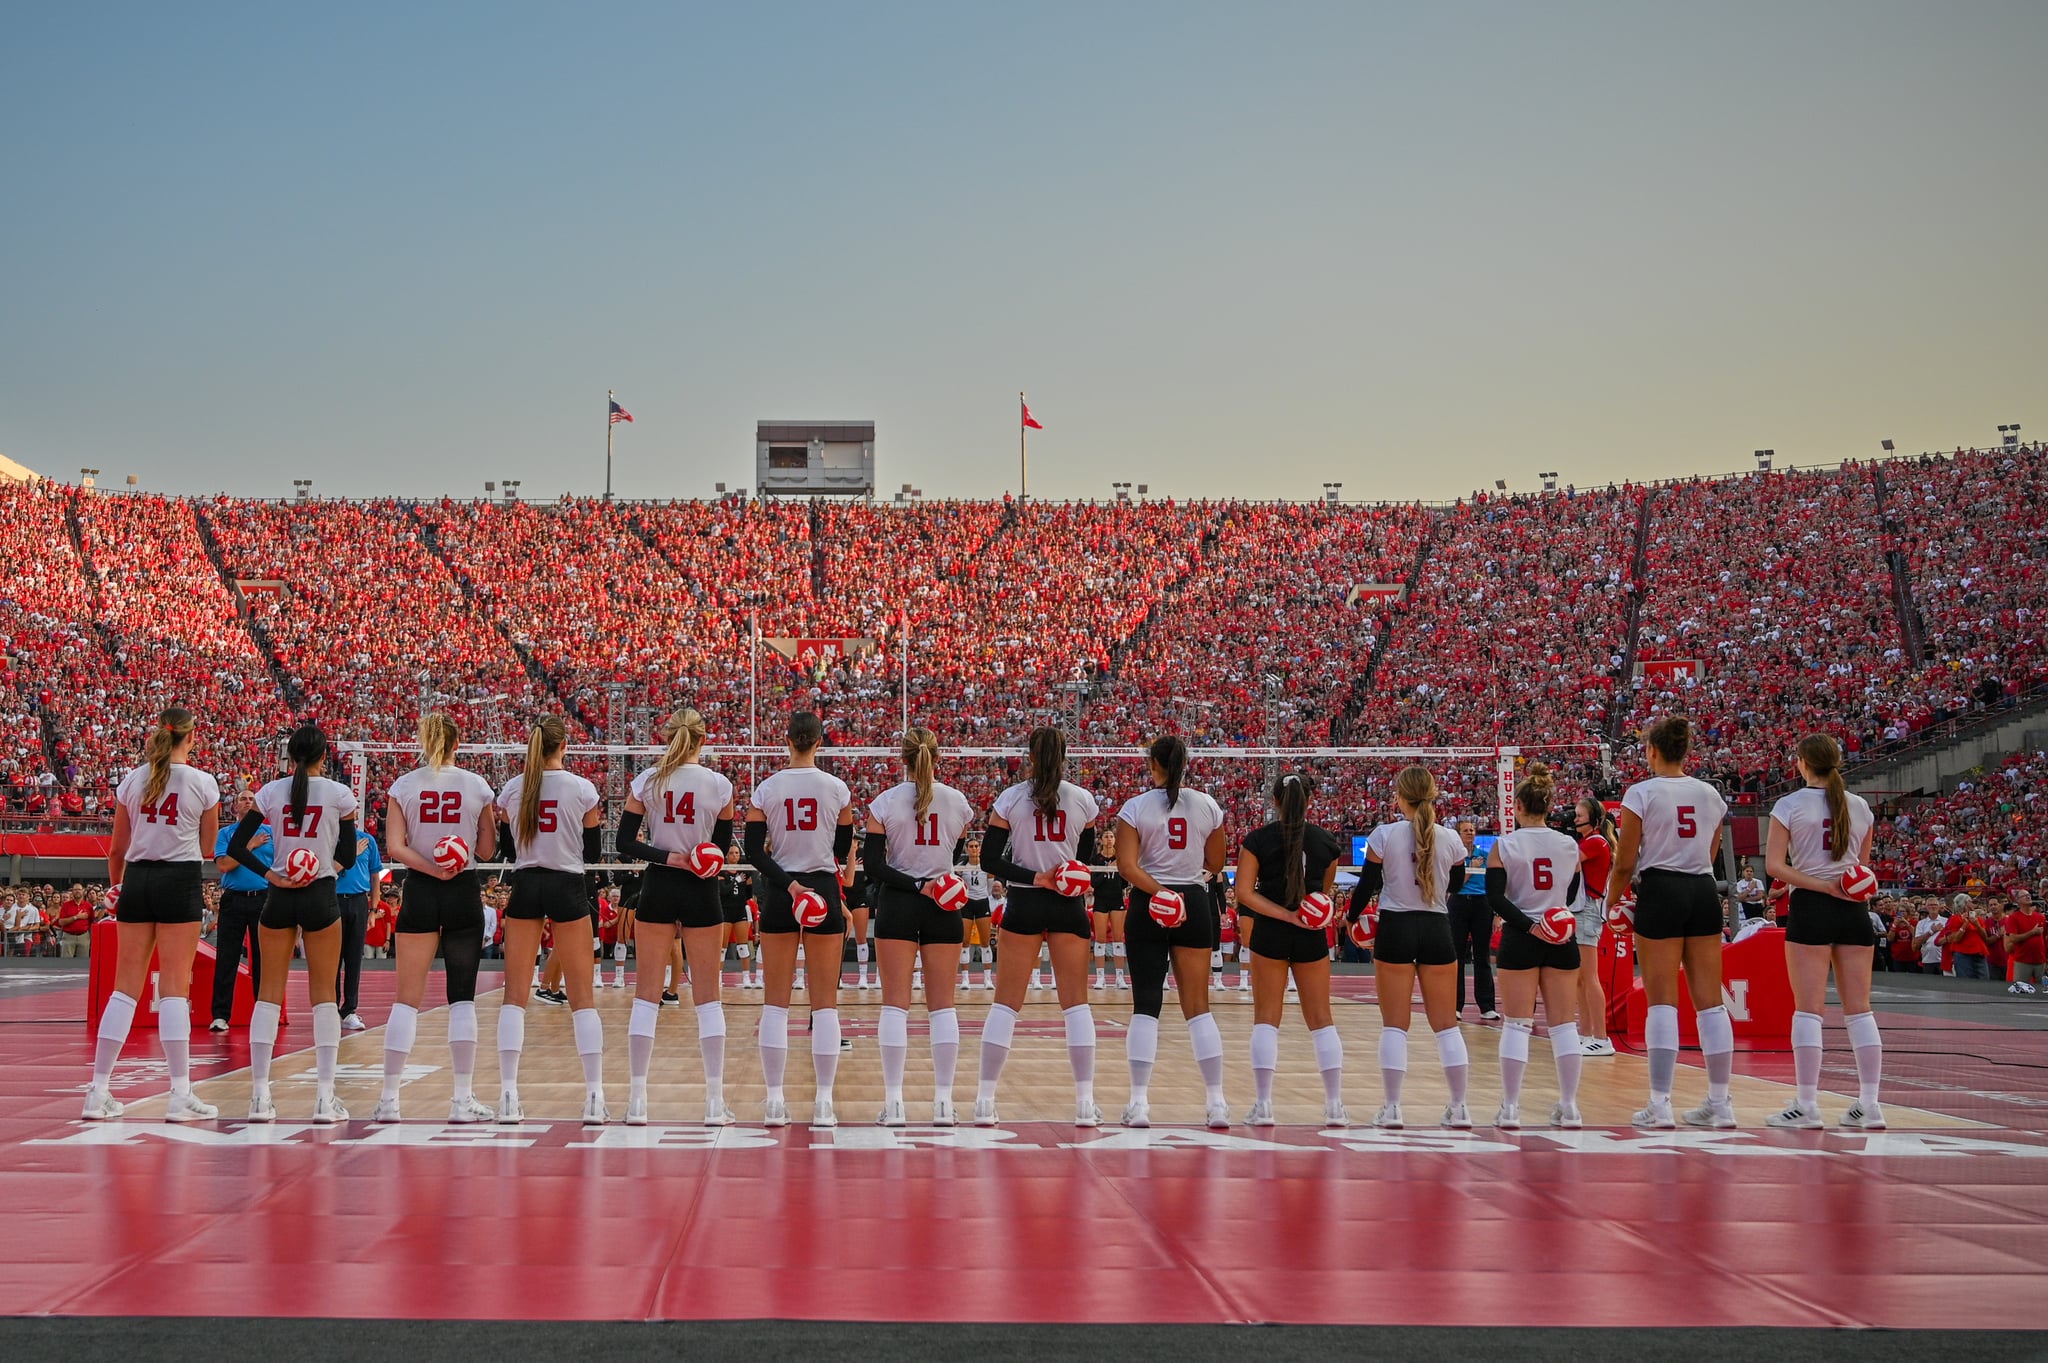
x: 1514, y: 1057
x: 996, y: 1030
x: 1208, y: 1044
x: 774, y: 1039
x: 174, y: 1033
x: 1717, y: 1048
x: 115, y: 1020
x: 1265, y: 1059
x: 1660, y: 1040
x: 1141, y: 1049
x: 1330, y: 1060
x: 1806, y: 1055
x: 1869, y: 1048
x: 825, y: 1048
x: 511, y: 1041
x: 400, y: 1032
x: 462, y: 1035
x: 1450, y: 1050
x: 1393, y: 1061
x: 894, y: 1036
x: 1564, y: 1049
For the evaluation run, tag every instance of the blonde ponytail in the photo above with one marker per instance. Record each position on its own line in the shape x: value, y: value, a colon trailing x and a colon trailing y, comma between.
x: 1417, y: 787
x: 173, y: 727
x: 438, y: 739
x: 920, y: 759
x: 549, y: 737
x: 685, y: 732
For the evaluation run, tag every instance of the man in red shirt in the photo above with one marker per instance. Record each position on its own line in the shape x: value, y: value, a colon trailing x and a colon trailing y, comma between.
x: 74, y: 922
x: 2025, y: 943
x: 1965, y: 940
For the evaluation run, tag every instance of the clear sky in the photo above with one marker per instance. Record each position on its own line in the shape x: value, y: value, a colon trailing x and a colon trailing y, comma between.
x: 1229, y: 249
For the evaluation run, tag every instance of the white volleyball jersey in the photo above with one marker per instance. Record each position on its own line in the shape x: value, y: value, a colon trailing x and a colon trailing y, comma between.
x: 1540, y: 863
x: 977, y: 881
x: 1400, y: 891
x: 317, y: 826
x: 683, y: 807
x: 802, y: 807
x: 1040, y: 841
x: 1680, y: 815
x: 1809, y: 828
x: 1171, y: 841
x: 557, y: 843
x: 922, y: 848
x: 449, y: 803
x: 167, y: 829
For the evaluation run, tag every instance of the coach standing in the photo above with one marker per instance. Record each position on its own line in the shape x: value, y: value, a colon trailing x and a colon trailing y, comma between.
x: 242, y: 893
x: 1472, y: 925
x: 357, y: 891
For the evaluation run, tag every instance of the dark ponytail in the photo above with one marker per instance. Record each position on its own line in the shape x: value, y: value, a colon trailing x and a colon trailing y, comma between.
x: 307, y: 748
x: 1172, y: 756
x: 1290, y: 797
x: 1047, y: 747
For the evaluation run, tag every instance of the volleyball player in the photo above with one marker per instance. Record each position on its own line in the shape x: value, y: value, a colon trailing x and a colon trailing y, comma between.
x: 554, y: 816
x: 1049, y: 818
x: 1413, y: 865
x: 799, y: 833
x: 1110, y: 890
x: 441, y: 910
x: 1530, y: 869
x: 1174, y: 841
x: 1597, y: 835
x: 1671, y: 829
x: 166, y: 816
x: 974, y: 921
x: 913, y: 829
x: 738, y: 894
x: 859, y: 888
x: 683, y: 805
x: 1105, y: 900
x: 1817, y: 833
x: 309, y: 813
x: 1280, y: 864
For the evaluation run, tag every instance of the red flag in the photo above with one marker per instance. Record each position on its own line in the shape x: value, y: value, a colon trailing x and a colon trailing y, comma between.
x: 1029, y: 420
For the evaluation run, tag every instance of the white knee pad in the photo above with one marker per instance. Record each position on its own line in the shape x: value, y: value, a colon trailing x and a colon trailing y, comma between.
x: 894, y: 1029
x: 1514, y: 1039
x: 462, y: 1021
x: 1806, y: 1029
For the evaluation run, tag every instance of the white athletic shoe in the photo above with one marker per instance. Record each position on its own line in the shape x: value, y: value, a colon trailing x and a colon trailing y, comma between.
x: 1388, y: 1118
x: 1123, y: 981
x: 1595, y: 1046
x: 1712, y: 1115
x: 1335, y: 1115
x: 1490, y: 1015
x: 510, y: 1111
x: 893, y: 1115
x: 1509, y: 1118
x: 328, y: 1111
x: 1655, y: 1115
x: 962, y: 987
x: 942, y: 1112
x: 917, y: 983
x: 1796, y: 1117
x: 1458, y: 1117
x: 636, y: 1110
x: 716, y: 1113
x: 261, y: 1109
x: 775, y: 1113
x: 1292, y: 987
x: 1260, y: 1115
x: 619, y: 978
x: 865, y: 982
x: 353, y: 1023
x: 1244, y: 984
x: 102, y: 1106
x: 985, y: 1112
x: 1566, y: 1118
x: 1137, y: 1113
x: 595, y: 1113
x: 1087, y: 1114
x: 1217, y: 1117
x: 1864, y: 1117
x: 217, y: 1025
x: 823, y: 1118
x: 387, y: 1111
x: 186, y: 1107
x: 467, y: 1111
x: 1038, y: 979
x: 1097, y: 983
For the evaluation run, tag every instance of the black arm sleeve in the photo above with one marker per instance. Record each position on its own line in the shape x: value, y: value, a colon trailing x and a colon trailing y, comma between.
x: 508, y: 847
x: 994, y: 844
x: 874, y: 859
x: 842, y: 842
x: 1571, y: 893
x: 1371, y: 877
x: 593, y: 845
x: 1457, y: 885
x: 629, y: 842
x: 345, y: 848
x: 238, y: 845
x: 960, y: 851
x: 756, y: 852
x: 1497, y: 899
x: 1086, y: 849
x: 721, y: 835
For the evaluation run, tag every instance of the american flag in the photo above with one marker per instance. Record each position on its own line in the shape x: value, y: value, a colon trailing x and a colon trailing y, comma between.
x: 620, y: 414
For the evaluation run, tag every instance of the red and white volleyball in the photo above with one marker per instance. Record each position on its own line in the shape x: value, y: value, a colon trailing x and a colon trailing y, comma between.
x: 1071, y: 879
x: 1556, y: 925
x: 1365, y: 929
x: 1859, y: 883
x: 1316, y: 911
x: 809, y: 906
x: 1168, y: 909
x: 302, y: 867
x: 949, y: 892
x: 451, y: 854
x: 707, y: 859
x: 1622, y: 914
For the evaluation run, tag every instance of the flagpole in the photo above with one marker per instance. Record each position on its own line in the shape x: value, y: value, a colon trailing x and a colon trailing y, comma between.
x: 611, y: 395
x: 904, y: 643
x: 753, y: 671
x: 1022, y: 488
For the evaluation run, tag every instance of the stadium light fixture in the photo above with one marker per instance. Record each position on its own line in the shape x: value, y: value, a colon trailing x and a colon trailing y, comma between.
x: 1887, y: 445
x: 1549, y: 480
x: 1122, y: 490
x: 2009, y: 435
x: 85, y: 476
x: 720, y: 487
x: 1500, y: 485
x: 1331, y: 491
x: 1764, y: 459
x: 1144, y: 489
x: 511, y: 486
x: 301, y: 487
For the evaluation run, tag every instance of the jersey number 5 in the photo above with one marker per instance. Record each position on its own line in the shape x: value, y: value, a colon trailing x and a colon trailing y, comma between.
x: 1688, y: 826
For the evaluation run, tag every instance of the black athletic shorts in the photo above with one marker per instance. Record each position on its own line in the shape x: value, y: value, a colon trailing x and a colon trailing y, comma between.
x: 1203, y: 930
x: 309, y: 910
x: 1675, y: 904
x: 1279, y: 941
x: 1821, y: 920
x: 733, y: 907
x: 558, y: 896
x: 1033, y: 911
x: 160, y: 892
x: 901, y: 916
x: 976, y: 908
x: 777, y: 916
x: 1521, y: 950
x: 452, y: 905
x: 669, y: 894
x: 1415, y: 937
